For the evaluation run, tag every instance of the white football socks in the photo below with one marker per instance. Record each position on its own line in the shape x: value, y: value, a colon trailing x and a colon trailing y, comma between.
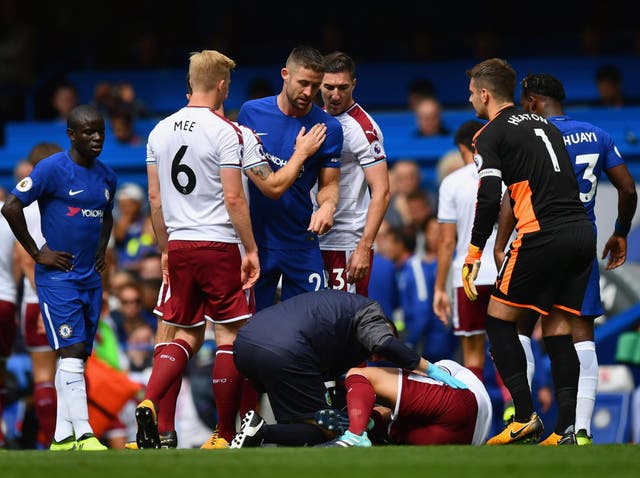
x: 64, y: 427
x: 528, y: 352
x: 587, y: 384
x: 71, y: 387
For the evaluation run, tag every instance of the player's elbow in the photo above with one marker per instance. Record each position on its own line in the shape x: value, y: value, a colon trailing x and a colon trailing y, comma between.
x: 628, y: 192
x: 273, y: 191
x: 234, y: 200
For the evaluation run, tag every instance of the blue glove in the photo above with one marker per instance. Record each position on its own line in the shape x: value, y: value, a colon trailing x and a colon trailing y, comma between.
x: 437, y: 373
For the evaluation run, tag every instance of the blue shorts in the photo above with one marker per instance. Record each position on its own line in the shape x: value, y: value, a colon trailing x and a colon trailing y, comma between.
x: 70, y: 315
x: 302, y: 270
x: 592, y: 304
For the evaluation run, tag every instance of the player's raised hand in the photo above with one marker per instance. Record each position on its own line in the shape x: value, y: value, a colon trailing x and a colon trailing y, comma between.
x: 310, y: 142
x: 56, y: 259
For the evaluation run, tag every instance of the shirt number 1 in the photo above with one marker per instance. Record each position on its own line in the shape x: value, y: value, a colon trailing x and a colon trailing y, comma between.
x: 554, y: 159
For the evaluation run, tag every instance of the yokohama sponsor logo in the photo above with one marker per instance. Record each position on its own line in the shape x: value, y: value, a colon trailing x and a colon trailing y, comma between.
x: 85, y: 212
x: 92, y: 213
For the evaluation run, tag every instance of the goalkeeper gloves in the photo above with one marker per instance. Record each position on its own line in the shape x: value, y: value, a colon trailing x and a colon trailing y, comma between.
x: 470, y: 271
x: 437, y: 373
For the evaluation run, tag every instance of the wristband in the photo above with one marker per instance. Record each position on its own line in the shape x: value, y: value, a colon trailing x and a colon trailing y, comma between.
x: 621, y: 229
x: 474, y: 253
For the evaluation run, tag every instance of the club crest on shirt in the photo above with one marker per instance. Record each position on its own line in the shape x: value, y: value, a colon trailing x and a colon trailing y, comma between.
x: 65, y: 331
x: 478, y: 160
x: 106, y: 194
x: 24, y: 185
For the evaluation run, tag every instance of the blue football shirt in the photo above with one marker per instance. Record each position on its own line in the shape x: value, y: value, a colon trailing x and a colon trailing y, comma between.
x: 283, y: 223
x: 591, y: 150
x: 72, y: 201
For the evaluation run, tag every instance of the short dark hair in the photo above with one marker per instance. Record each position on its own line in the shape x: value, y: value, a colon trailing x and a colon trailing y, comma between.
x: 306, y: 57
x: 81, y: 114
x: 497, y: 76
x: 608, y: 73
x: 41, y: 151
x: 404, y: 235
x: 543, y: 84
x: 465, y: 133
x: 422, y: 87
x: 338, y: 61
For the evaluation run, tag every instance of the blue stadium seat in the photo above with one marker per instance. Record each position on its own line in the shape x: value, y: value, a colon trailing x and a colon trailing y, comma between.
x: 611, y: 418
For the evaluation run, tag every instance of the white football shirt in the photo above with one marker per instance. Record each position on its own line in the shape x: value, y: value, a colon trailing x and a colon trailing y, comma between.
x: 189, y: 148
x: 7, y: 244
x: 253, y: 155
x: 362, y: 148
x: 457, y: 205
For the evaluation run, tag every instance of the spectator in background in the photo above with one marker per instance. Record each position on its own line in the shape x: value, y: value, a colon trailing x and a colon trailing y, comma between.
x: 428, y: 115
x: 126, y: 100
x: 419, y: 209
x: 123, y: 128
x: 104, y: 98
x: 417, y: 90
x: 129, y: 222
x: 64, y: 99
x: 404, y: 178
x: 128, y: 316
x: 609, y: 84
x: 382, y: 282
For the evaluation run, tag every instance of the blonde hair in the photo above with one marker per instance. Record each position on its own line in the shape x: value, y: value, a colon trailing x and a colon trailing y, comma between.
x: 448, y: 163
x: 207, y: 68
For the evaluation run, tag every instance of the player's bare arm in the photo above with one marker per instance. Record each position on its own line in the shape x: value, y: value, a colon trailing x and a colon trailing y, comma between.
x: 327, y: 198
x: 238, y: 209
x: 377, y: 178
x: 446, y: 246
x: 274, y: 184
x: 616, y: 246
x: 155, y: 206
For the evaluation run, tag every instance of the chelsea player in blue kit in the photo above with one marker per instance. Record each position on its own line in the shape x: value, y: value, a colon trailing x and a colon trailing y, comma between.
x: 75, y: 194
x: 592, y: 151
x: 286, y: 229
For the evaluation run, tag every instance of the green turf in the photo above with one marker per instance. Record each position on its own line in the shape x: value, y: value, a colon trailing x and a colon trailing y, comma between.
x: 602, y: 461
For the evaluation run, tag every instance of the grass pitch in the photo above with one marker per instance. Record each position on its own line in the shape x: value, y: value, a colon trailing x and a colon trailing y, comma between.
x: 616, y: 461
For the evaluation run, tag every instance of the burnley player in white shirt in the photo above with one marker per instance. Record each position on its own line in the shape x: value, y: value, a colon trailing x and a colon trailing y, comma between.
x: 456, y: 210
x: 201, y: 218
x: 364, y: 182
x: 190, y: 216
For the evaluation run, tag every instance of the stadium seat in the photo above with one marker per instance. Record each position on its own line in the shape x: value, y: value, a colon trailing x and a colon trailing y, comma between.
x: 611, y: 418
